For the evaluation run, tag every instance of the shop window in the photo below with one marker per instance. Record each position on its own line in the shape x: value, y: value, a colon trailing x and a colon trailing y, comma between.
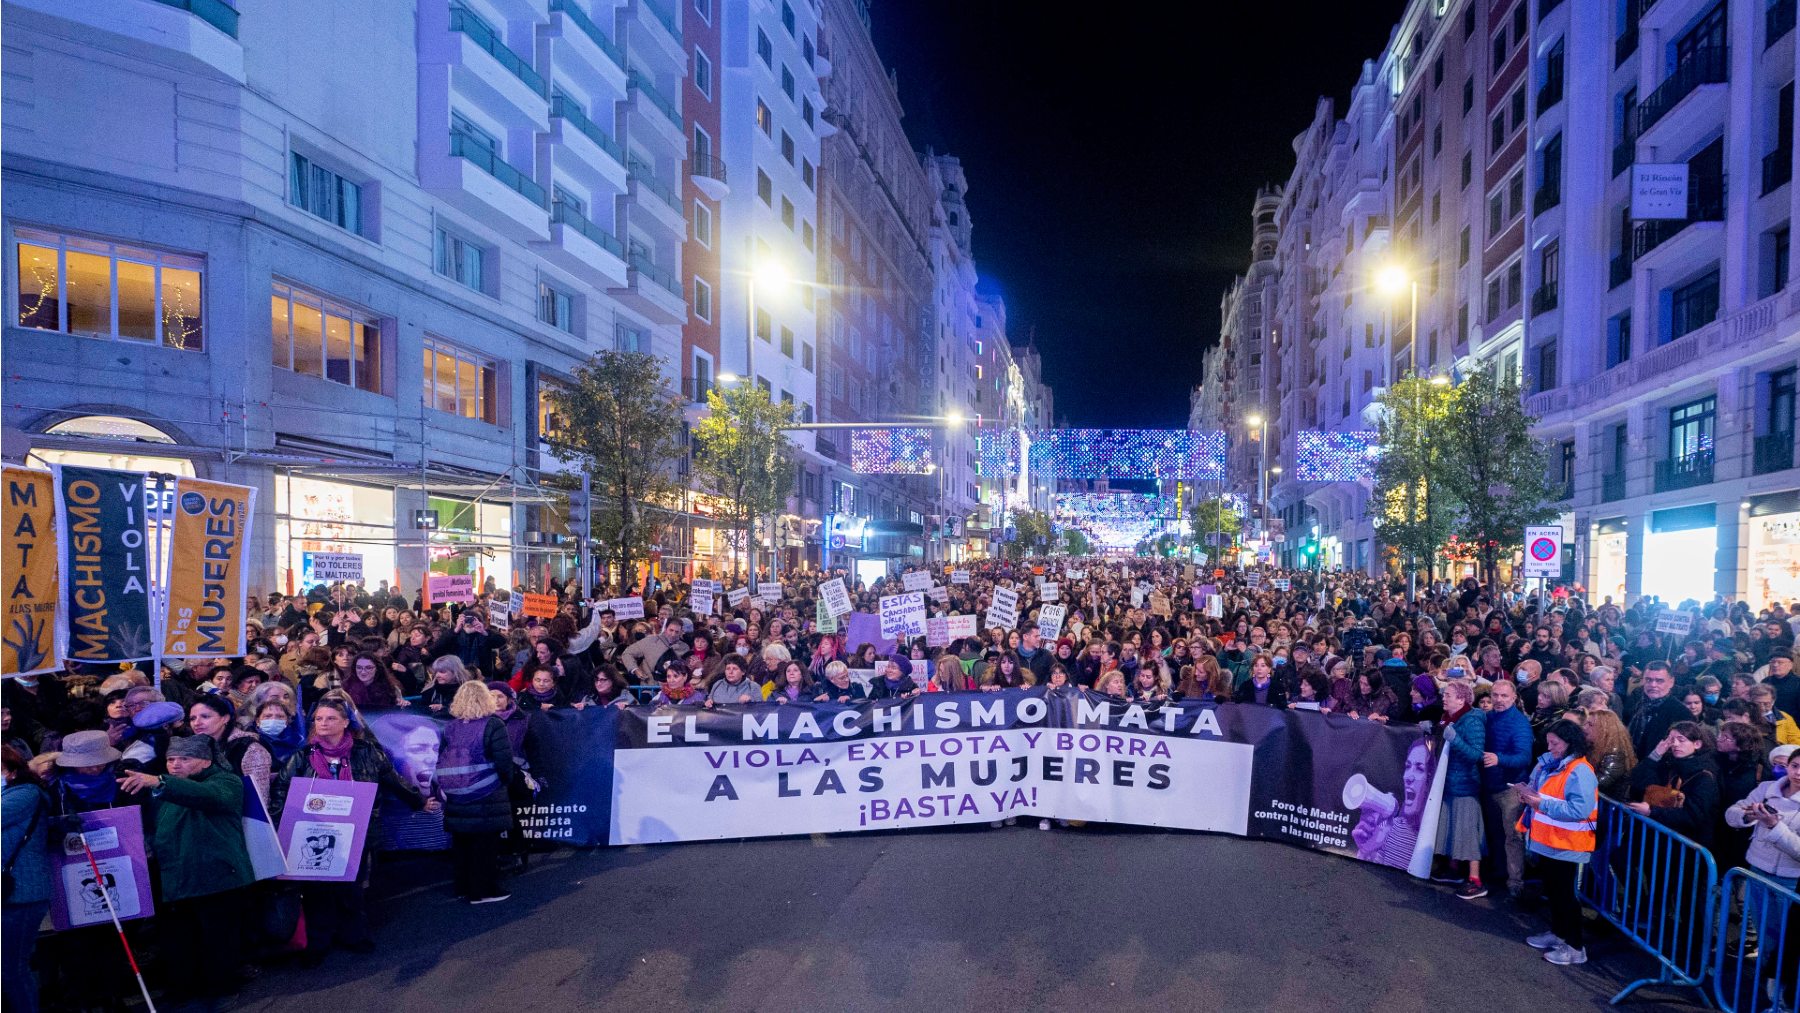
x: 459, y: 382
x: 106, y: 290
x: 317, y: 336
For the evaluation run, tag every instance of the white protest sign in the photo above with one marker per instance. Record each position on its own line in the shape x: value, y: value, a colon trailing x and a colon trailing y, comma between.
x: 625, y: 608
x: 938, y: 593
x: 700, y: 599
x: 1050, y: 621
x: 1137, y: 597
x: 1679, y: 623
x: 1050, y: 592
x: 1006, y: 601
x: 1215, y: 606
x: 962, y: 626
x: 915, y: 580
x: 736, y: 596
x: 331, y: 567
x: 1252, y: 580
x: 834, y: 596
x: 903, y: 615
x: 1077, y: 574
x: 1281, y: 583
x: 937, y: 632
x: 497, y: 615
x: 769, y: 591
x: 959, y: 576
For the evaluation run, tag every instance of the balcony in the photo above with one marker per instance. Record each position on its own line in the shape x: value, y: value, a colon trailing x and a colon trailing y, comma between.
x: 1626, y: 44
x: 1543, y: 300
x: 650, y: 25
x: 579, y: 17
x: 584, y: 246
x: 1620, y: 272
x: 224, y: 17
x: 1548, y: 196
x: 652, y: 290
x: 467, y: 148
x: 565, y: 108
x: 708, y: 173
x: 1624, y: 153
x: 1695, y: 469
x: 1778, y: 20
x: 1706, y: 66
x: 1774, y: 452
x: 1706, y: 203
x: 1777, y: 169
x: 468, y: 23
x: 1612, y: 487
x: 694, y: 389
x: 666, y: 204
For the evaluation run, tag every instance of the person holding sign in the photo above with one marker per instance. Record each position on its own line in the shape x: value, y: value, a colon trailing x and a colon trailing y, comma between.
x: 337, y: 751
x: 197, y: 809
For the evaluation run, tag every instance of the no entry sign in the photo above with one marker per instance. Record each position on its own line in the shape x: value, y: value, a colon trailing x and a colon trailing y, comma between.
x: 1543, y: 550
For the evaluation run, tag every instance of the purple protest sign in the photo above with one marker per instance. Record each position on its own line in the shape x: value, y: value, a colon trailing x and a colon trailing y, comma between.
x: 116, y: 838
x: 323, y: 828
x: 863, y: 628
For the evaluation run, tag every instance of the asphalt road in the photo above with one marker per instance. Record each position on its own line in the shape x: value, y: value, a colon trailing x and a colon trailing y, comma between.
x: 957, y: 919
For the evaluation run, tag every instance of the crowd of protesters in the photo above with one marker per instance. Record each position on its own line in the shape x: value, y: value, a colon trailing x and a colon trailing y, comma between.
x: 1545, y: 704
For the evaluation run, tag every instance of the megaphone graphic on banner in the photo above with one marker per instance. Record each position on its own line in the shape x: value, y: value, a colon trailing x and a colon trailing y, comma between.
x: 1360, y: 794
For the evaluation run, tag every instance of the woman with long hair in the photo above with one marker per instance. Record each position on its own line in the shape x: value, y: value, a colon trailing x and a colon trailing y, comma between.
x: 1609, y: 751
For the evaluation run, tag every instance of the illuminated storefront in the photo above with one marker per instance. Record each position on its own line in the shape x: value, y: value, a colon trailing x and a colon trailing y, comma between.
x: 1681, y: 554
x: 1774, y: 550
x: 314, y: 515
x: 473, y: 538
x: 1610, y: 546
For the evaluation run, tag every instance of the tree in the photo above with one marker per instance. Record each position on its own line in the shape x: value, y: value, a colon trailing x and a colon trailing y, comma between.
x: 1076, y: 542
x: 1215, y: 515
x: 1032, y: 534
x: 621, y: 424
x: 1414, y: 514
x: 743, y: 457
x: 1498, y: 474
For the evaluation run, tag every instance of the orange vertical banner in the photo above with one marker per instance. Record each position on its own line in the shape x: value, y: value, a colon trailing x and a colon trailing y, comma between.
x: 209, y: 550
x: 29, y: 566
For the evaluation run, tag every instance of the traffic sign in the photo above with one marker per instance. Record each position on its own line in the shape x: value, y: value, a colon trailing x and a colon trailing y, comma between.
x: 1543, y: 550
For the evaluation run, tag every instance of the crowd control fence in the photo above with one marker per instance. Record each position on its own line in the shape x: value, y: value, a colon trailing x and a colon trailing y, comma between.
x: 1659, y: 889
x: 1753, y: 968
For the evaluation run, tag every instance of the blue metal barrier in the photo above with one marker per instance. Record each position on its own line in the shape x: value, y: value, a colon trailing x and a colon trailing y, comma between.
x: 1658, y: 888
x: 1754, y: 969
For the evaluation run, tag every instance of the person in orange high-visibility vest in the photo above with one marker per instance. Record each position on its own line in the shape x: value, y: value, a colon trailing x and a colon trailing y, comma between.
x: 1562, y: 808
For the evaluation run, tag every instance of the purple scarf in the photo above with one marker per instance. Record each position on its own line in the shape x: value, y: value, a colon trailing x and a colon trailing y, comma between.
x: 323, y: 756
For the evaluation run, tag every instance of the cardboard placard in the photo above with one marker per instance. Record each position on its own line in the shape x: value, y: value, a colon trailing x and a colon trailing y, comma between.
x: 1050, y: 592
x: 700, y: 599
x: 499, y: 618
x: 833, y: 594
x: 736, y: 596
x: 625, y: 608
x: 323, y: 828
x: 915, y: 580
x: 824, y: 620
x: 959, y: 576
x: 538, y: 606
x: 938, y: 593
x: 961, y: 626
x: 1050, y: 621
x: 937, y: 632
x: 451, y: 588
x: 903, y: 615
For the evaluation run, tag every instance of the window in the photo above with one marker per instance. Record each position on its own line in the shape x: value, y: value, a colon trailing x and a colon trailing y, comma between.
x: 1462, y: 247
x: 1437, y: 139
x: 806, y: 173
x: 319, y: 337
x: 702, y: 299
x: 765, y: 188
x: 806, y: 111
x: 787, y: 147
x: 702, y: 224
x: 1550, y: 264
x: 1694, y: 305
x: 458, y: 382
x: 806, y: 237
x: 702, y: 72
x: 1436, y: 206
x: 1520, y: 25
x: 1550, y: 174
x: 1499, y: 50
x: 1469, y: 23
x: 1368, y: 335
x: 1515, y: 284
x: 325, y: 194
x: 1437, y: 71
x: 1496, y: 134
x: 1691, y: 428
x: 703, y: 379
x: 787, y: 16
x: 1565, y: 473
x: 764, y: 120
x: 765, y: 50
x: 1546, y: 367
x: 806, y: 49
x: 1618, y: 339
x: 1493, y: 298
x: 1552, y: 90
x: 556, y: 307
x: 1468, y: 94
x: 1462, y: 324
x: 787, y: 83
x: 1515, y: 194
x: 765, y: 324
x: 101, y: 289
x: 704, y: 9
x: 627, y: 338
x: 461, y: 260
x: 787, y: 212
x: 1775, y: 261
x: 806, y: 356
x: 1778, y: 416
x: 787, y: 341
x: 1518, y: 107
x: 1468, y: 169
x: 1496, y: 215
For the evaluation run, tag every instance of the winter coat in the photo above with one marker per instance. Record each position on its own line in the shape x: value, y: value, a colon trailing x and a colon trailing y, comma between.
x: 199, y: 835
x: 368, y: 763
x: 1509, y: 739
x: 30, y: 856
x: 1614, y: 775
x: 1773, y: 850
x: 475, y: 770
x: 1698, y: 779
x: 1246, y: 693
x: 1469, y: 741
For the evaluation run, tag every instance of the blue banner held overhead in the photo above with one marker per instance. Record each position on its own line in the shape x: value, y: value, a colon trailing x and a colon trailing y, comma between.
x: 107, y: 565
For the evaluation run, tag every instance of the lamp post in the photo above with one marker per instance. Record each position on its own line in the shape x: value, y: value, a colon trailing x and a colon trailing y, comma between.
x: 1261, y: 424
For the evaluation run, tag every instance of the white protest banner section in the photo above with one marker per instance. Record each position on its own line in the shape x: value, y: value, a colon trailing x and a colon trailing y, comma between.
x: 769, y: 591
x: 625, y: 608
x: 331, y: 567
x: 736, y: 596
x: 1215, y: 606
x: 915, y: 580
x: 959, y: 576
x: 938, y: 593
x: 835, y: 597
x: 1137, y: 597
x: 700, y: 599
x: 1076, y: 574
x: 1050, y: 621
x: 1050, y: 592
x: 902, y: 616
x: 961, y: 626
x: 451, y: 588
x: 1679, y: 623
x: 937, y: 632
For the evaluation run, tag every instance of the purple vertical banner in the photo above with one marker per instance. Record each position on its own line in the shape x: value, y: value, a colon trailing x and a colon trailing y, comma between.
x: 116, y: 839
x: 324, y: 828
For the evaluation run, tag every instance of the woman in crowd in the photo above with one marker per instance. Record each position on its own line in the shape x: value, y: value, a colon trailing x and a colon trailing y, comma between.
x: 1552, y: 700
x: 371, y: 686
x: 1007, y: 673
x: 474, y: 771
x: 1742, y: 755
x: 213, y: 716
x: 1111, y: 684
x: 792, y: 684
x: 336, y: 913
x: 542, y: 691
x: 1677, y: 785
x: 609, y: 689
x: 1609, y: 752
x: 1150, y: 686
x: 949, y: 674
x: 1262, y: 686
x: 447, y: 675
x: 1460, y: 829
x: 1562, y: 808
x: 1371, y: 699
x: 677, y: 689
x: 838, y: 687
x: 26, y: 812
x: 733, y: 685
x: 410, y: 659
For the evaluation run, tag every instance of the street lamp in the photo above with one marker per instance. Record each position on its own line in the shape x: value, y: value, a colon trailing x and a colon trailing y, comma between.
x: 1394, y: 280
x: 1261, y: 424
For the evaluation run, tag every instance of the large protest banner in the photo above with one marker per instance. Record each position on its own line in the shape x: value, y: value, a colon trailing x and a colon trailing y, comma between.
x: 1321, y: 781
x: 209, y: 547
x: 28, y: 564
x: 106, y: 568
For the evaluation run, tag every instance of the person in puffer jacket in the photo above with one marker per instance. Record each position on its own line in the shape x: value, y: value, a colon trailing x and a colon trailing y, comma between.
x: 475, y: 768
x: 1505, y: 761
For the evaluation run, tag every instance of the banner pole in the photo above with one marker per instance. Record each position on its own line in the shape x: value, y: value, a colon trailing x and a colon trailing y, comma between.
x: 159, y: 582
x: 106, y: 895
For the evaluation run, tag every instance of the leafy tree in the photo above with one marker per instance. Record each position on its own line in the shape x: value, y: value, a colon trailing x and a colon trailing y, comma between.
x: 1032, y: 534
x: 1415, y: 514
x: 1215, y: 515
x: 621, y: 424
x: 743, y: 456
x: 1077, y: 543
x: 1498, y: 475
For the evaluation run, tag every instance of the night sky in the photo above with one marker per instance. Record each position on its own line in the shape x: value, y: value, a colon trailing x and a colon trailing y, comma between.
x: 1112, y: 161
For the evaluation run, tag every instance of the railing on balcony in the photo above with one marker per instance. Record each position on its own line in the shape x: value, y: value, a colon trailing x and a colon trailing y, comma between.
x: 469, y: 23
x: 1685, y: 472
x: 1612, y: 487
x: 1706, y: 66
x: 1773, y: 452
x: 706, y: 166
x: 478, y: 152
x: 664, y: 18
x: 224, y: 17
x: 1546, y: 6
x: 644, y: 266
x: 1621, y: 270
x: 574, y: 13
x: 565, y: 108
x: 1548, y: 196
x: 1777, y: 168
x: 1626, y: 44
x: 648, y: 90
x: 1624, y: 153
x: 645, y: 177
x: 1706, y: 203
x: 1543, y: 300
x: 1778, y: 20
x: 564, y: 214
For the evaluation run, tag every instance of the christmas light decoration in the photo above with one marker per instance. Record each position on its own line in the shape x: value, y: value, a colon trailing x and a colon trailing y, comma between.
x: 891, y: 451
x: 1324, y: 456
x: 1106, y: 453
